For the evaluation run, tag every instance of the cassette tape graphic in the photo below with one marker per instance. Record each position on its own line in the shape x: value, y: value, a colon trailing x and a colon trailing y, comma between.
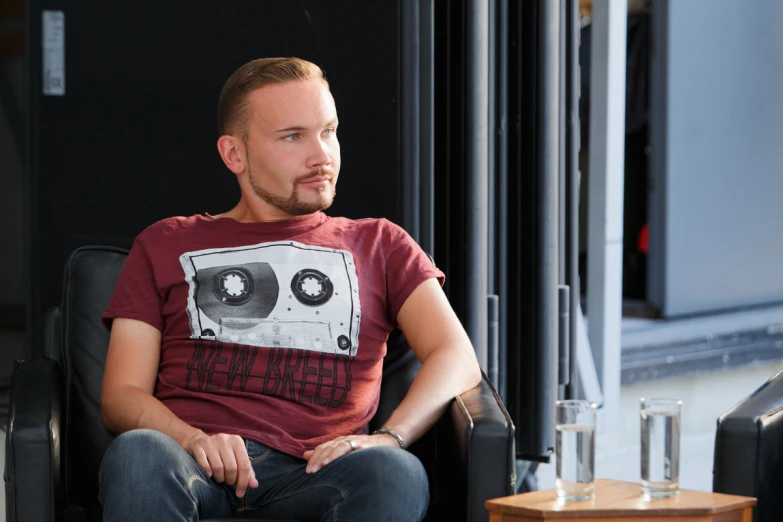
x: 282, y: 294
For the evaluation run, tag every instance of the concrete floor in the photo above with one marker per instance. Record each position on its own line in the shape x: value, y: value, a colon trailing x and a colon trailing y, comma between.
x: 705, y: 394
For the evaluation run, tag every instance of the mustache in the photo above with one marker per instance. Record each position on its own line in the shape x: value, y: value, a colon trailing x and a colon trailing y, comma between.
x: 316, y: 173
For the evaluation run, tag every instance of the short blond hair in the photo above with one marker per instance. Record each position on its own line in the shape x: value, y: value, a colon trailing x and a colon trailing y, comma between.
x: 233, y: 113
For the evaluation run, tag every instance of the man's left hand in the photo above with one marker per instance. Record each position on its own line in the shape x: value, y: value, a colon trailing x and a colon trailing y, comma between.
x: 334, y: 449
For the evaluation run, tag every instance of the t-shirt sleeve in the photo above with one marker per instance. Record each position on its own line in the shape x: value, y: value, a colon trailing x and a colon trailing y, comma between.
x: 136, y: 294
x: 407, y: 266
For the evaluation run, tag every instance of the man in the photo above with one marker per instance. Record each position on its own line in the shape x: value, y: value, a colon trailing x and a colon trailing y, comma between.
x: 246, y: 348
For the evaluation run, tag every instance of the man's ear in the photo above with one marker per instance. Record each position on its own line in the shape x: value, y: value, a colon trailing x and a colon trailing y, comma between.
x: 232, y: 151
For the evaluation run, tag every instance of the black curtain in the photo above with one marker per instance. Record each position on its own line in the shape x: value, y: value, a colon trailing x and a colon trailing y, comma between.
x: 133, y: 139
x: 531, y: 248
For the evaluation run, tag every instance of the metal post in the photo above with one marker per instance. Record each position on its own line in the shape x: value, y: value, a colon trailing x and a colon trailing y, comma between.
x: 605, y: 233
x: 564, y: 372
x: 493, y: 319
x: 548, y: 155
x: 476, y: 145
x: 427, y: 126
x: 572, y: 30
x: 562, y: 115
x: 491, y: 151
x: 409, y: 113
x: 660, y: 22
x: 502, y: 197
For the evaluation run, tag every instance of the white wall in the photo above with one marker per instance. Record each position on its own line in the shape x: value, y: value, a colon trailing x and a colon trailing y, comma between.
x: 717, y: 142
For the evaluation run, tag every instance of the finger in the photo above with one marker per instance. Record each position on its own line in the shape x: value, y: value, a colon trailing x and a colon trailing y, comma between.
x: 307, y: 454
x: 328, y: 452
x: 216, y: 463
x: 338, y: 450
x: 244, y: 469
x: 314, y: 463
x: 229, y: 463
x: 201, y: 459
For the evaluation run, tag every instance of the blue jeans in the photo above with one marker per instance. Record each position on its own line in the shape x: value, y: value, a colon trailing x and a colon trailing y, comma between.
x: 146, y: 476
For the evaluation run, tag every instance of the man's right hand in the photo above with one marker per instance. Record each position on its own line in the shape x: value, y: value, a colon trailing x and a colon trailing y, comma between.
x: 224, y: 458
x: 128, y: 403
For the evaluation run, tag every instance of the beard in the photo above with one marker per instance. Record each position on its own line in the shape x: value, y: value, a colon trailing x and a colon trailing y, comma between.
x: 294, y: 205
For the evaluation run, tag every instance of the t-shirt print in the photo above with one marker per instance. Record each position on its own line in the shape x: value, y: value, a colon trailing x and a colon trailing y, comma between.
x: 234, y: 359
x: 281, y: 294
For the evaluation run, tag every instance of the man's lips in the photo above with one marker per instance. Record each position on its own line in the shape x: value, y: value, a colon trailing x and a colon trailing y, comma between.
x: 316, y: 181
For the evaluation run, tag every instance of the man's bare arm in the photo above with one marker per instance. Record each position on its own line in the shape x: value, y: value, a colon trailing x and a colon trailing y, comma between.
x: 449, y: 365
x: 127, y: 403
x: 449, y: 368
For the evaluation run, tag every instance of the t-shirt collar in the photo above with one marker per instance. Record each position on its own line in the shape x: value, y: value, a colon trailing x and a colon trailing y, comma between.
x: 290, y: 226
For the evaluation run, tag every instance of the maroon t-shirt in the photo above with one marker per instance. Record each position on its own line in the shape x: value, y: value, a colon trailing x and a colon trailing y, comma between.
x: 275, y: 332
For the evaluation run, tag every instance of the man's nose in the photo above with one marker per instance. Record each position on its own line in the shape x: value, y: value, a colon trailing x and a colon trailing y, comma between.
x: 319, y: 154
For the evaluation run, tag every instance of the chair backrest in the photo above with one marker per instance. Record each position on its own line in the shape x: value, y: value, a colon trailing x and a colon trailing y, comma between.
x: 748, y: 446
x: 91, y: 274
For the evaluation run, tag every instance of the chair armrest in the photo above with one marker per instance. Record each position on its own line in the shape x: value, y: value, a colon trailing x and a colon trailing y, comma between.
x: 747, y: 450
x: 53, y: 334
x: 32, y: 447
x: 476, y: 460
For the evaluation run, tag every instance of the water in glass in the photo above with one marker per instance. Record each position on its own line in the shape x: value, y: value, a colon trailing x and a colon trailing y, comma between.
x: 575, y: 448
x: 660, y: 453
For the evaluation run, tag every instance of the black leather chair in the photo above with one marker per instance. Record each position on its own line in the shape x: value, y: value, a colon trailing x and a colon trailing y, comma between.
x: 749, y: 450
x: 56, y: 439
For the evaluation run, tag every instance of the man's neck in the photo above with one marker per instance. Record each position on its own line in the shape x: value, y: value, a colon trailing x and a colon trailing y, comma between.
x: 262, y: 213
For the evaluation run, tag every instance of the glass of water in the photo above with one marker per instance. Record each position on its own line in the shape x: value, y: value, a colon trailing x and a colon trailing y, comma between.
x: 575, y: 450
x: 660, y: 424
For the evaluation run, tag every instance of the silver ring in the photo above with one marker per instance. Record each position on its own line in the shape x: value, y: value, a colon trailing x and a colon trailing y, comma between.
x: 352, y: 444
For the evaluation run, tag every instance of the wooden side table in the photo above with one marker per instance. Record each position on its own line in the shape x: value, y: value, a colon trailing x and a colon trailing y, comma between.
x: 617, y: 501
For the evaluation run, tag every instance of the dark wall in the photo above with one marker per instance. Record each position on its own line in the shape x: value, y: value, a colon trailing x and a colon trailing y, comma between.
x: 12, y: 295
x: 133, y: 139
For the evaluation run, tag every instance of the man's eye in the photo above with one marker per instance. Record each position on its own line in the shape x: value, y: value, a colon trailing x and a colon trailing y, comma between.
x: 291, y: 137
x: 330, y: 131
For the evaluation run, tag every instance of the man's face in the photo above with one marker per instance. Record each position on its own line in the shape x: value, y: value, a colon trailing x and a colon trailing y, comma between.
x: 292, y: 149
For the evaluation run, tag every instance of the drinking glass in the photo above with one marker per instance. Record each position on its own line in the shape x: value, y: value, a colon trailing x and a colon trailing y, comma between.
x: 660, y: 431
x: 575, y: 450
